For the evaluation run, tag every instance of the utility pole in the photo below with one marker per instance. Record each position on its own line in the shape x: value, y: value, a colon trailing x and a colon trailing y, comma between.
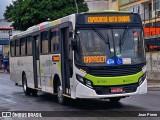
x: 155, y: 15
x: 76, y: 5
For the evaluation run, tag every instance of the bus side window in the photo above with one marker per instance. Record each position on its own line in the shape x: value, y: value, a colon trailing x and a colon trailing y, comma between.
x: 29, y: 45
x: 44, y: 42
x: 23, y: 47
x: 54, y: 40
x: 12, y: 48
x: 17, y: 47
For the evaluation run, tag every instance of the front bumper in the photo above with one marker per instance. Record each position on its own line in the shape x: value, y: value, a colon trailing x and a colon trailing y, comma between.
x: 83, y: 91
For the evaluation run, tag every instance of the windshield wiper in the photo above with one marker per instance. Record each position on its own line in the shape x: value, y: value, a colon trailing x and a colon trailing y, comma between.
x: 106, y: 40
x: 121, y: 40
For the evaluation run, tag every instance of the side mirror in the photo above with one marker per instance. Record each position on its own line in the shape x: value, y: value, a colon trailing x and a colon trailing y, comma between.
x: 74, y: 44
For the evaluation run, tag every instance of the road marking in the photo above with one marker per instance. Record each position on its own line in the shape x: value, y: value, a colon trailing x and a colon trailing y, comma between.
x: 8, y: 100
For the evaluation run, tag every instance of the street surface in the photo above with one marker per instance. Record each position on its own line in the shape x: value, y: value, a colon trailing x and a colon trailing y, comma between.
x: 12, y: 98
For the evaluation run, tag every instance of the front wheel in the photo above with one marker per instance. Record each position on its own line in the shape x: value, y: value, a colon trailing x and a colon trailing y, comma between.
x: 61, y: 99
x: 27, y: 91
x: 114, y: 100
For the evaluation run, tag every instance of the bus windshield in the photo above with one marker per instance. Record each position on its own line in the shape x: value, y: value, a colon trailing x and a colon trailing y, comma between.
x: 110, y: 46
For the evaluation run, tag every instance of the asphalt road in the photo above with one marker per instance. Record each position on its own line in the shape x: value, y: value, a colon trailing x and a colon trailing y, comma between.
x: 12, y: 98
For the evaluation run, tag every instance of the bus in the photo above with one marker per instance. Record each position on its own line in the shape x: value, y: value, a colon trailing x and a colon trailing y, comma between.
x: 84, y: 55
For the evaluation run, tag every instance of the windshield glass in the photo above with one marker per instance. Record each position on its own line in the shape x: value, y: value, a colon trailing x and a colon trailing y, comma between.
x: 102, y: 46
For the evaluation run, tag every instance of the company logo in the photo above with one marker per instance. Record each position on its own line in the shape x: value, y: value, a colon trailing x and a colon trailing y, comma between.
x: 6, y: 114
x: 20, y: 114
x: 110, y: 62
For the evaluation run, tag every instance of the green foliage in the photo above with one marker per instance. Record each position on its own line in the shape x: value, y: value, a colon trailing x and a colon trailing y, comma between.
x: 26, y: 13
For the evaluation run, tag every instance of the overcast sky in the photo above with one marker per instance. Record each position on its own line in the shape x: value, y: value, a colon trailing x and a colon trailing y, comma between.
x: 3, y: 4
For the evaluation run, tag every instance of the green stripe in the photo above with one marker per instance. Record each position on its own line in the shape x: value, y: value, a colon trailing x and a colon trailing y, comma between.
x: 120, y: 80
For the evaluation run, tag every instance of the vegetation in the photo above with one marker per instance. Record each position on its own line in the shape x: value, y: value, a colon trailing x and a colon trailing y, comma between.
x: 26, y: 13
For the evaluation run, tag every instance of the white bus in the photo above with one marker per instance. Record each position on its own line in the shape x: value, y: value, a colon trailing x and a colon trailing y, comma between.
x: 84, y: 55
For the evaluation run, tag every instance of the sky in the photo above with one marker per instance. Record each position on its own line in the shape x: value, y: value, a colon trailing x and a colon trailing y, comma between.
x: 3, y: 4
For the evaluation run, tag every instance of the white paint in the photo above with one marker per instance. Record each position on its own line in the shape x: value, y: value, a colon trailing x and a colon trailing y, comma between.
x: 7, y: 100
x: 143, y: 87
x: 126, y: 60
x: 83, y: 91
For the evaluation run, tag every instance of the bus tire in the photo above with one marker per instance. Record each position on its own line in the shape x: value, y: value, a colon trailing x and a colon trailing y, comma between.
x: 114, y: 99
x: 61, y: 99
x: 27, y: 91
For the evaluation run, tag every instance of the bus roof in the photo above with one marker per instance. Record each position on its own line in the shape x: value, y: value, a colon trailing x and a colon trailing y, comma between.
x: 71, y: 18
x: 107, y: 11
x: 45, y: 25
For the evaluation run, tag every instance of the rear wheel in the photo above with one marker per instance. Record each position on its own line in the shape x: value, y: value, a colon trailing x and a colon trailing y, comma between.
x: 27, y: 91
x: 115, y: 100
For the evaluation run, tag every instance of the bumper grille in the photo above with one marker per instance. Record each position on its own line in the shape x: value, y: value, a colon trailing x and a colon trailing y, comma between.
x: 107, y: 90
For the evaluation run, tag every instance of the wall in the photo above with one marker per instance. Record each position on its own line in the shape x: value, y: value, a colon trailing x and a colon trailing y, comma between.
x: 113, y: 5
x: 97, y: 4
x: 153, y: 65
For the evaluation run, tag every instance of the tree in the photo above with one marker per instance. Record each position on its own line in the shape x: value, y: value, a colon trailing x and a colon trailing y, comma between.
x: 26, y: 13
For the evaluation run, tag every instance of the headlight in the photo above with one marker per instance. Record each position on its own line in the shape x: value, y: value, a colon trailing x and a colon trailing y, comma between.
x: 142, y: 78
x: 84, y: 81
x: 88, y: 83
x: 79, y: 78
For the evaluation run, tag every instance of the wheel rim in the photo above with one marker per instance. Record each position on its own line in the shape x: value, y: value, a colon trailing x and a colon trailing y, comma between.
x: 60, y: 94
x: 24, y: 85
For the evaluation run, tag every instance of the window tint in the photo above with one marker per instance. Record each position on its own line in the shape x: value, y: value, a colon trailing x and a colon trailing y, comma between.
x: 23, y: 47
x: 44, y: 42
x: 17, y: 48
x: 12, y: 45
x: 55, y: 40
x: 29, y: 45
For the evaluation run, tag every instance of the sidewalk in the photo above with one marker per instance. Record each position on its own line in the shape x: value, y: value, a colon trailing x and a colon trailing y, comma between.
x: 2, y: 71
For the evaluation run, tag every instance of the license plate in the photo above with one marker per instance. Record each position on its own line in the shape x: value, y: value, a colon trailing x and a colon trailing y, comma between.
x: 117, y: 90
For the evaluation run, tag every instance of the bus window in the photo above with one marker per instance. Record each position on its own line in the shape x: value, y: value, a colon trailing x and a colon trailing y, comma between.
x: 12, y: 48
x: 23, y: 47
x: 54, y: 40
x: 44, y: 42
x: 29, y: 45
x: 17, y: 48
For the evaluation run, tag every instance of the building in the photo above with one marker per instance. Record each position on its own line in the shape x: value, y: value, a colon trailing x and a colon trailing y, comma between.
x: 113, y: 4
x: 5, y: 32
x: 97, y: 4
x: 149, y: 11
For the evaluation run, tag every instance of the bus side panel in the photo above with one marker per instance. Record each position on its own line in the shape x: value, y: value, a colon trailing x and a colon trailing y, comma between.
x: 55, y: 69
x: 44, y: 70
x: 27, y: 68
x: 14, y: 70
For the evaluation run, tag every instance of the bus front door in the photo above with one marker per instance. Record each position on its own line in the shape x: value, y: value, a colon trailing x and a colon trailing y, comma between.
x: 65, y: 59
x: 36, y: 62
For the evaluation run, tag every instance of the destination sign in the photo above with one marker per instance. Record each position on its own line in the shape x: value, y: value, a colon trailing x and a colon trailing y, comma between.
x: 94, y: 59
x: 108, y: 19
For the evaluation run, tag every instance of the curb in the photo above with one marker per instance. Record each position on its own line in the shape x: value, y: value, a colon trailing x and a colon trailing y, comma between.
x: 153, y: 88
